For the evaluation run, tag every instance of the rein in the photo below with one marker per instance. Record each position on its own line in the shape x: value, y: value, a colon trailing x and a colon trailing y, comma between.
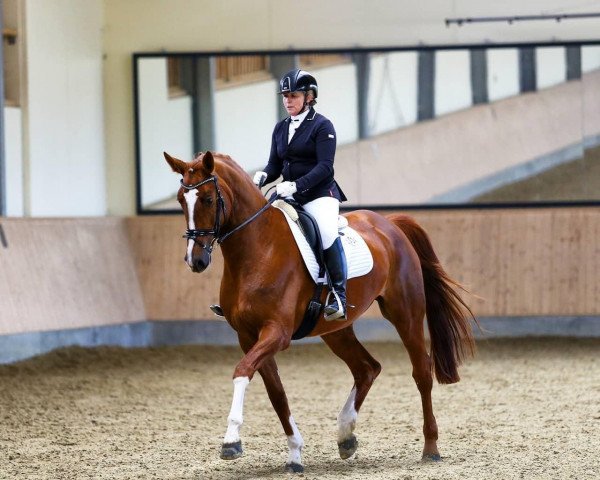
x: 248, y: 220
x: 216, y: 230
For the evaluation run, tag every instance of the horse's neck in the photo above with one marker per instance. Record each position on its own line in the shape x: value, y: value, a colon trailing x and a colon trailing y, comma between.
x: 244, y: 205
x: 247, y: 246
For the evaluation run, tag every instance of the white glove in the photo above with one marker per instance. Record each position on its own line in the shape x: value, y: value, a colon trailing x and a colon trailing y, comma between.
x: 259, y: 178
x: 286, y: 189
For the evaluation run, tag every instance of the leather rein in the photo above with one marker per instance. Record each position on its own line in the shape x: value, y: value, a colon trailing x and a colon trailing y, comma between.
x: 193, y: 234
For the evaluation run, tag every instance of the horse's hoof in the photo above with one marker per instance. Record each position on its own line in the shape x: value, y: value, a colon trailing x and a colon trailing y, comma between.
x: 231, y: 451
x: 431, y: 457
x: 293, y: 467
x: 348, y: 447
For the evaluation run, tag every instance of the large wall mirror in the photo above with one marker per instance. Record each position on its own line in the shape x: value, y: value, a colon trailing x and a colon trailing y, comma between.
x: 493, y: 125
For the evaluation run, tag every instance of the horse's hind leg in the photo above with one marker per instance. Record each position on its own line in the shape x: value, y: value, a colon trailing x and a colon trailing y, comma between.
x: 365, y: 370
x: 409, y: 325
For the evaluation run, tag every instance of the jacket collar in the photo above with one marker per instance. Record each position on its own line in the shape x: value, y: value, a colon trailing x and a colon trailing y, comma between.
x: 284, y: 131
x: 312, y: 113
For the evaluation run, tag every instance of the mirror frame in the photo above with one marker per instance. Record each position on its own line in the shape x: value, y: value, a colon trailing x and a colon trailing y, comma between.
x: 136, y: 57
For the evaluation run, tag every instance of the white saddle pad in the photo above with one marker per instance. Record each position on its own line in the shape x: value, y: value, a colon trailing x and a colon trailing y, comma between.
x: 358, y: 255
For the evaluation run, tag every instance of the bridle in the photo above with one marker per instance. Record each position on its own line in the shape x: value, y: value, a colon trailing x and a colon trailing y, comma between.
x: 193, y: 234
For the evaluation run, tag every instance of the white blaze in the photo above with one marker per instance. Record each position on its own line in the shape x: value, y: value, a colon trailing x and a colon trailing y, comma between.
x: 190, y: 199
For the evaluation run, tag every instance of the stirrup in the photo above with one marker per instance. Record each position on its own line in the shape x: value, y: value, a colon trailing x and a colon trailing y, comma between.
x: 340, y: 313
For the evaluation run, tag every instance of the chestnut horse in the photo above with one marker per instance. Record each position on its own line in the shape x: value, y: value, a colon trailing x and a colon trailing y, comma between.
x: 265, y: 290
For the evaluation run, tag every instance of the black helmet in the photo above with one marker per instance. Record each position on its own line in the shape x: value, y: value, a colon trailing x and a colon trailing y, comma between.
x: 298, y: 81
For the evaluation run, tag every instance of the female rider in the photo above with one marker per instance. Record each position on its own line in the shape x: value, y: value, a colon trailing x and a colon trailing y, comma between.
x: 302, y: 151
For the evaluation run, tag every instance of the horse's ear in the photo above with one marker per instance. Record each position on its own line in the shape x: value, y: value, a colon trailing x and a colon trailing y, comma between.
x: 178, y: 166
x: 208, y: 162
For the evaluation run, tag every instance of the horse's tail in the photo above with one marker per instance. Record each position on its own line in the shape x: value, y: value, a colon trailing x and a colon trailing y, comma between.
x: 448, y: 316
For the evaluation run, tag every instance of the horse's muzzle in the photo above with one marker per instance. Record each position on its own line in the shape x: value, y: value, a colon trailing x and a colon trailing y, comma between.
x: 200, y: 262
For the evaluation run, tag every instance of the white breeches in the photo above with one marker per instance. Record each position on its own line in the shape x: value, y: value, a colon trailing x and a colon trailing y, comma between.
x: 326, y: 211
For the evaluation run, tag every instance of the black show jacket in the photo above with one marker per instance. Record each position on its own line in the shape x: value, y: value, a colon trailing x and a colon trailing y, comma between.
x: 307, y: 160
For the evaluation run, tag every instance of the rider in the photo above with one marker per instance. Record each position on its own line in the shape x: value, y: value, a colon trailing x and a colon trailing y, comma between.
x: 302, y: 151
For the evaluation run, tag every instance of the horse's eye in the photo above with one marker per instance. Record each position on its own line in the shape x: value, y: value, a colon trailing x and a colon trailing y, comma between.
x: 207, y: 201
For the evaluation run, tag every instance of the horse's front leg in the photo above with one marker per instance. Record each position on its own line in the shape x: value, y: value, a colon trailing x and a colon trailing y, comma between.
x: 270, y: 375
x: 270, y: 341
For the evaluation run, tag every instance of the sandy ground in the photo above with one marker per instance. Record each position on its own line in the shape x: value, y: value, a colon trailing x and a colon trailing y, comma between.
x: 524, y: 409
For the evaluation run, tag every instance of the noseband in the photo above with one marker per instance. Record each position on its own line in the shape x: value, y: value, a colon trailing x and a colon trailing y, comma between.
x: 216, y: 230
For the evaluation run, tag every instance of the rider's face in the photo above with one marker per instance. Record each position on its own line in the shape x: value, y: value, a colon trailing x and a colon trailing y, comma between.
x: 293, y: 102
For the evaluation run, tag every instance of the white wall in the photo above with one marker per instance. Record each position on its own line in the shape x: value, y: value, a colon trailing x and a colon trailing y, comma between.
x: 338, y: 99
x: 244, y: 120
x: 64, y: 144
x: 503, y: 73
x: 392, y: 91
x: 165, y: 124
x: 551, y: 66
x: 590, y: 58
x: 452, y: 81
x: 14, y: 161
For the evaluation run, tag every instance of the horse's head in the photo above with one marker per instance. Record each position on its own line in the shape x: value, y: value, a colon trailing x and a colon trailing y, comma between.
x: 203, y: 207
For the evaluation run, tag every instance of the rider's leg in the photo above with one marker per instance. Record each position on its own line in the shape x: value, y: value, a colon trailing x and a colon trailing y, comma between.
x: 336, y: 266
x: 325, y: 210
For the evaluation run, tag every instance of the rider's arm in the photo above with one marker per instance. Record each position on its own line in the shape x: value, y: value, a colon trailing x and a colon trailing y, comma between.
x: 275, y: 163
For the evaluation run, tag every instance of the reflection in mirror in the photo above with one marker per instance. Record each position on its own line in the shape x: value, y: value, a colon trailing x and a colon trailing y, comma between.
x: 590, y: 166
x: 414, y: 127
x: 571, y: 170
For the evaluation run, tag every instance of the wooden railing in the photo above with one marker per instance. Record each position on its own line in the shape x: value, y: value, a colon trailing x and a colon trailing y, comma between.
x: 232, y: 68
x: 239, y: 69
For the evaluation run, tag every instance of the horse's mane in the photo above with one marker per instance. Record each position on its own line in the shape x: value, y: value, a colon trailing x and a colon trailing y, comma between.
x: 222, y: 161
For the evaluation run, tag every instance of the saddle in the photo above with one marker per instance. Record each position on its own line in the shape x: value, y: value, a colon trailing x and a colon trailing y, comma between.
x: 308, y: 226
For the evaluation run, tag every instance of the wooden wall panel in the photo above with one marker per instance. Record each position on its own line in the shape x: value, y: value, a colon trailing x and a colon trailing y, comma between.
x: 522, y: 261
x: 69, y: 273
x: 171, y: 290
x: 518, y: 262
x: 58, y: 274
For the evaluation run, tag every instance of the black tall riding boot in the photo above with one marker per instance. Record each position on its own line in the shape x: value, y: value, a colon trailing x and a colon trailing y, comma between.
x: 335, y: 261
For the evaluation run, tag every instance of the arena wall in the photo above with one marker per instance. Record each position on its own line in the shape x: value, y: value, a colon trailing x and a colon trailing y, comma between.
x: 123, y: 281
x: 516, y: 262
x: 58, y: 274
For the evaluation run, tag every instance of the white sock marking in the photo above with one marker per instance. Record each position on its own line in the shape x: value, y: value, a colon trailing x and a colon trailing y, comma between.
x: 236, y: 418
x: 295, y: 444
x: 347, y: 418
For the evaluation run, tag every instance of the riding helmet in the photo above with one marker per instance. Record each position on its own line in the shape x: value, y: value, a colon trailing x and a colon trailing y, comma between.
x: 298, y: 81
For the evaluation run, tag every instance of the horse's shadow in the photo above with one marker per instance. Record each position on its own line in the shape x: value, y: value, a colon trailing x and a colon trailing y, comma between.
x: 330, y: 467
